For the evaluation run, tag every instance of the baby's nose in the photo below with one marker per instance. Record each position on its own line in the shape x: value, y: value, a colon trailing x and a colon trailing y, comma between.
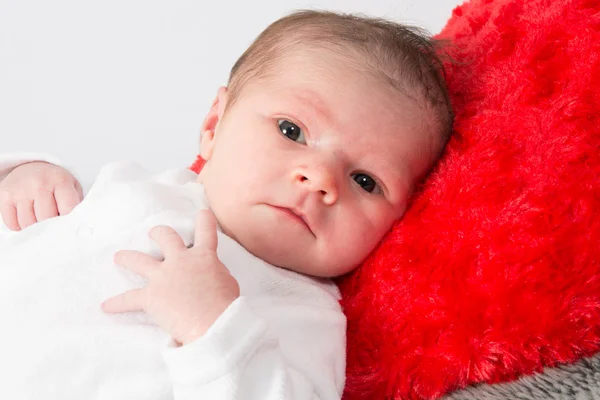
x: 319, y: 179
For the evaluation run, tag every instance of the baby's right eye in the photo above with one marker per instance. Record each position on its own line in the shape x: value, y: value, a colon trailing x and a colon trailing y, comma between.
x: 291, y: 131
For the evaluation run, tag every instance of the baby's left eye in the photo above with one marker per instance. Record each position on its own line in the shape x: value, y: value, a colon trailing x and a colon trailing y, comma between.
x: 367, y: 183
x: 291, y: 131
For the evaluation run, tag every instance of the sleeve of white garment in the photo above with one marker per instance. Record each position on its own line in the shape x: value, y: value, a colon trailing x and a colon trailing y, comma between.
x: 240, y: 358
x: 8, y: 162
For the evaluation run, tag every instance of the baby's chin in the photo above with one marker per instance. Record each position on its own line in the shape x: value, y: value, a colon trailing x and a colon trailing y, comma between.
x: 295, y: 251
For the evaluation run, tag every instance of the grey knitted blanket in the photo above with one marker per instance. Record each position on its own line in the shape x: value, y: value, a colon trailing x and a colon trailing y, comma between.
x: 580, y: 381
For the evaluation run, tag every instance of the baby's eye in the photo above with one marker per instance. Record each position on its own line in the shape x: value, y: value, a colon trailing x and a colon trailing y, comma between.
x: 291, y: 131
x: 367, y: 183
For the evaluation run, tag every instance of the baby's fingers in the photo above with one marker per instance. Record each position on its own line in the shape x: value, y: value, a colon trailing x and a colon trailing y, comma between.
x: 206, y: 231
x: 168, y: 240
x: 67, y: 197
x: 140, y: 263
x: 9, y: 216
x: 44, y: 206
x: 25, y: 214
x: 132, y: 300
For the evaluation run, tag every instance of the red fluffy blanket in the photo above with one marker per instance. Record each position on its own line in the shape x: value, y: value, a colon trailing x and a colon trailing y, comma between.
x: 494, y: 272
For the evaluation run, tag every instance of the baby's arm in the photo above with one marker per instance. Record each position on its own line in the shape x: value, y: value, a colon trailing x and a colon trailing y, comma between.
x: 32, y: 189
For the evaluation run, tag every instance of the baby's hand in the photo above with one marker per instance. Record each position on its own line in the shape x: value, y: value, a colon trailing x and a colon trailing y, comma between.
x: 186, y: 292
x: 37, y: 191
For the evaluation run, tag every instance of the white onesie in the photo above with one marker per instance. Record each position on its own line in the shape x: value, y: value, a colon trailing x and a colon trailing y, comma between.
x: 284, y: 338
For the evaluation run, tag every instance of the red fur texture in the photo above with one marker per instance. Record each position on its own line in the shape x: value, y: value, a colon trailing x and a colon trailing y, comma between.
x: 494, y: 272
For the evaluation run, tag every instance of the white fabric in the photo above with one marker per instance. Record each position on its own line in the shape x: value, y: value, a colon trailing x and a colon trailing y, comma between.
x: 284, y: 338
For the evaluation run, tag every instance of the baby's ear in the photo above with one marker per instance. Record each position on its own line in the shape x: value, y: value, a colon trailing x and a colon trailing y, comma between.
x: 211, y: 122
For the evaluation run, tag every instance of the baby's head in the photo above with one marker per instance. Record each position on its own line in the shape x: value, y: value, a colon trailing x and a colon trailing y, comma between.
x: 327, y: 125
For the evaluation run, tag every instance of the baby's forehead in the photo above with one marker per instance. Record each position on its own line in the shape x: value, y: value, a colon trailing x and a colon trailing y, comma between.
x: 312, y: 73
x: 307, y: 69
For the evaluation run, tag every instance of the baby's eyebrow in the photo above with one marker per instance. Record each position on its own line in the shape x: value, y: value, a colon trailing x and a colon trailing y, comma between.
x: 315, y: 104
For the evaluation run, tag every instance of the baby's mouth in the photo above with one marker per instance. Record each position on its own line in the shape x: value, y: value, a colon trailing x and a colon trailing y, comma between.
x: 296, y: 216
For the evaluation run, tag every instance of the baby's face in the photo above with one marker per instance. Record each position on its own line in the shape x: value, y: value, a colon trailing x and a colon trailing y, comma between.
x: 310, y: 168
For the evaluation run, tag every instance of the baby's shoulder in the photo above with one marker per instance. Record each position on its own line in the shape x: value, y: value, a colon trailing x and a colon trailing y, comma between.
x: 126, y: 194
x: 130, y: 181
x: 133, y: 172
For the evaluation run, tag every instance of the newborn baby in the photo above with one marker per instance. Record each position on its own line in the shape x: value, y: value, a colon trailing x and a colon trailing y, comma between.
x: 312, y: 151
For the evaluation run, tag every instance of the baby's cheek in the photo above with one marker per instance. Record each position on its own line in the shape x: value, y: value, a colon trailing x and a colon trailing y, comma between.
x: 358, y: 237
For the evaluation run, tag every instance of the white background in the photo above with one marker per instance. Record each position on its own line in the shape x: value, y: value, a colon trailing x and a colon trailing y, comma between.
x: 97, y: 81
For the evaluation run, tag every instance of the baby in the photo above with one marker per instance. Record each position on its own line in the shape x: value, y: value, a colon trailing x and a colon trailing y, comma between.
x: 312, y: 152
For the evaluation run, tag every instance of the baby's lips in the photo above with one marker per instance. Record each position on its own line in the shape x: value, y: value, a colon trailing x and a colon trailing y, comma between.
x: 295, y: 213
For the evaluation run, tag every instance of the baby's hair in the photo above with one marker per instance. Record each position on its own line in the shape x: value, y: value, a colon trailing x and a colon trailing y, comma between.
x: 403, y: 57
